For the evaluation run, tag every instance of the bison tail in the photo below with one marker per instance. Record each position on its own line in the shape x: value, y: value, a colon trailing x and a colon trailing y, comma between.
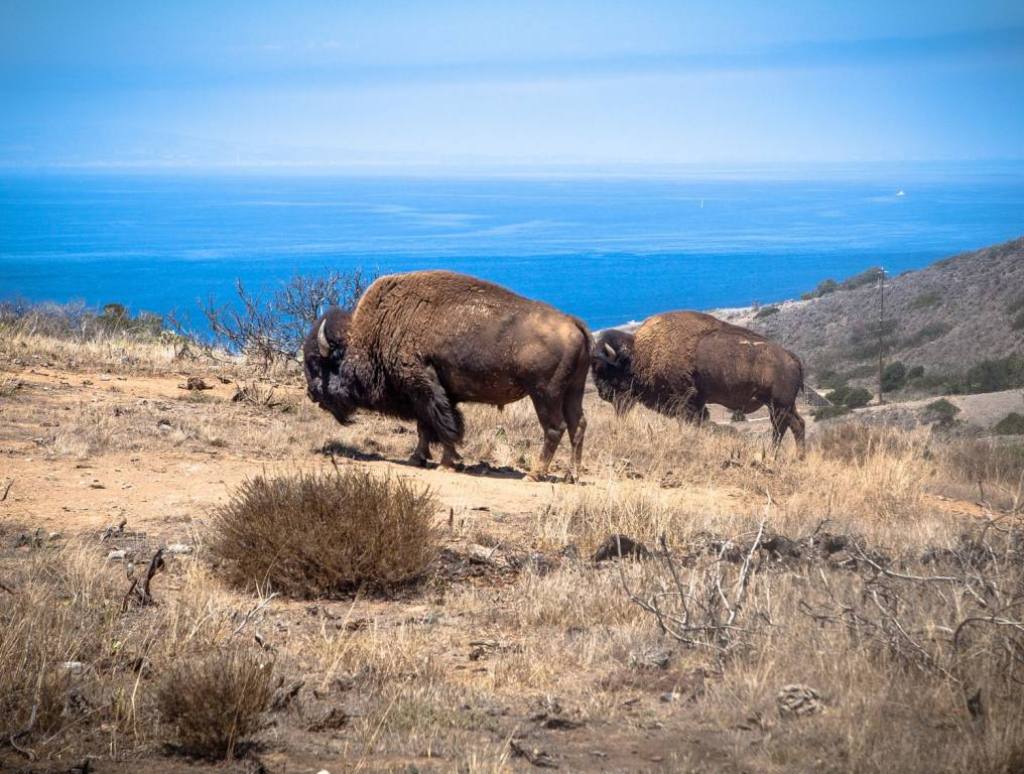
x: 587, y: 336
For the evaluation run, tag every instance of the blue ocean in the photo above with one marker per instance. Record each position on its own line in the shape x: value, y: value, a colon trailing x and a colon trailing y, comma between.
x: 609, y: 249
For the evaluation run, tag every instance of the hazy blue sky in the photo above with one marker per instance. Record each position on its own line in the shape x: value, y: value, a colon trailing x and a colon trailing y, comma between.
x: 521, y: 83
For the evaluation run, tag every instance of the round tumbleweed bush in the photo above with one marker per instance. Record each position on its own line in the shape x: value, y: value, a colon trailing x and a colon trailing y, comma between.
x: 213, y: 703
x: 320, y: 534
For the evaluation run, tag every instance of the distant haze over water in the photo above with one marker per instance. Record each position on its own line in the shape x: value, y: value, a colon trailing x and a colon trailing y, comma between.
x: 609, y: 249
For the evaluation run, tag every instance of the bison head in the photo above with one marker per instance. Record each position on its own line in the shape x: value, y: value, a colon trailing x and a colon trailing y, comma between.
x: 328, y: 381
x: 611, y: 364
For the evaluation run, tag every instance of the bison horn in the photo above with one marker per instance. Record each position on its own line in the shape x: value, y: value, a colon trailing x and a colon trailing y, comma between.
x: 321, y: 340
x: 609, y: 351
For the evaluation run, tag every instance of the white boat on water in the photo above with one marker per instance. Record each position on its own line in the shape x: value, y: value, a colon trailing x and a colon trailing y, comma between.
x: 900, y: 193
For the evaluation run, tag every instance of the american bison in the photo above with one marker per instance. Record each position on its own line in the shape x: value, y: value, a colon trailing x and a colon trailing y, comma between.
x: 419, y: 344
x: 678, y: 362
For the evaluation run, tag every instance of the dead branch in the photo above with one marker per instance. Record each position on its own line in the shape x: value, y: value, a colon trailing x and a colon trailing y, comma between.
x: 711, y: 619
x: 919, y: 578
x: 143, y: 592
x: 7, y: 490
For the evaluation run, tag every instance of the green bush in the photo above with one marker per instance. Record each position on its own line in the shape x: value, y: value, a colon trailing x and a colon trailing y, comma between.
x: 830, y: 412
x: 849, y: 397
x: 866, y: 277
x: 915, y: 372
x: 993, y: 375
x: 838, y: 396
x: 926, y: 300
x: 825, y: 287
x: 941, y: 412
x: 766, y: 311
x: 858, y: 397
x: 894, y: 376
x: 1011, y: 424
x: 929, y: 332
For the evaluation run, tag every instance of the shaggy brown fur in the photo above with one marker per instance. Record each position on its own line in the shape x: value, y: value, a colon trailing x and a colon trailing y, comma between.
x: 419, y: 344
x: 678, y: 362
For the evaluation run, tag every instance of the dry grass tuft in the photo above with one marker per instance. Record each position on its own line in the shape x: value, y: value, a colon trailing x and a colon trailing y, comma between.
x: 214, y: 703
x: 854, y: 442
x: 314, y: 534
x: 58, y: 616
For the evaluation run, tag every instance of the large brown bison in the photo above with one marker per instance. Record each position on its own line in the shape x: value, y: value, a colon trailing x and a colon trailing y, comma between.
x: 419, y: 344
x: 678, y: 362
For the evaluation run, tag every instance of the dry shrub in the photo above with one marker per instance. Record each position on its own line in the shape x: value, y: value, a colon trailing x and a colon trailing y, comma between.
x: 312, y: 534
x: 214, y: 703
x: 256, y: 393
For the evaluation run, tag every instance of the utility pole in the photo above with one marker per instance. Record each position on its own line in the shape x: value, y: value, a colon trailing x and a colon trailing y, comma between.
x: 881, y: 331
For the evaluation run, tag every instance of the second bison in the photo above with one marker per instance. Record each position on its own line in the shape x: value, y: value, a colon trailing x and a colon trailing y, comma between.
x: 419, y: 344
x: 678, y: 362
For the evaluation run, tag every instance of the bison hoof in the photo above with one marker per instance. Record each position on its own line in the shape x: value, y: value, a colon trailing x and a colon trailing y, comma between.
x: 419, y: 460
x: 452, y: 463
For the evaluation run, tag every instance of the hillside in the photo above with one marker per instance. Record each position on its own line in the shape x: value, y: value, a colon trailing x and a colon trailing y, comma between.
x: 947, y: 317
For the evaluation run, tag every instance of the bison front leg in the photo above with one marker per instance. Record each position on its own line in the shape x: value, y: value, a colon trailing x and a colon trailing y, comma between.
x: 439, y: 420
x: 421, y: 455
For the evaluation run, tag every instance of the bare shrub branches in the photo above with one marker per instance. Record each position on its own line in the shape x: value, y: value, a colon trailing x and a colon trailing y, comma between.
x: 964, y: 623
x: 271, y: 328
x: 954, y: 615
x: 703, y: 605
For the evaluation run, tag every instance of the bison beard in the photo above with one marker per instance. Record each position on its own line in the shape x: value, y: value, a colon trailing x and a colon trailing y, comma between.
x: 419, y: 344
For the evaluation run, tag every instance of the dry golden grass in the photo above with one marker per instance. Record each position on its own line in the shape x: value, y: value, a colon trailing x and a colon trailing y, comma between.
x: 77, y: 662
x: 118, y: 352
x: 467, y: 669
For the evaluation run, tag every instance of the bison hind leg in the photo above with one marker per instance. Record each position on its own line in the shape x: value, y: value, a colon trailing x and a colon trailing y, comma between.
x: 783, y: 417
